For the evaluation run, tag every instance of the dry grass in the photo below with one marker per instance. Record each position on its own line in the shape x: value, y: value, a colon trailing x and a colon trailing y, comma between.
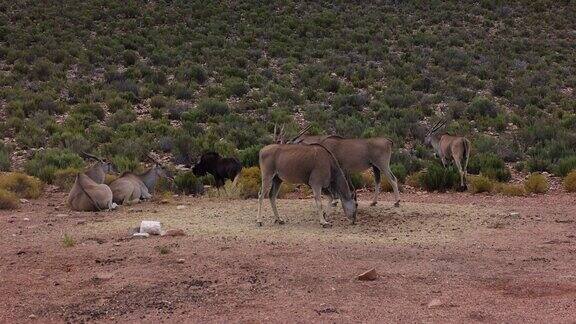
x: 65, y: 178
x: 8, y: 200
x: 536, y: 183
x: 511, y: 189
x: 480, y: 184
x: 570, y: 182
x: 24, y: 186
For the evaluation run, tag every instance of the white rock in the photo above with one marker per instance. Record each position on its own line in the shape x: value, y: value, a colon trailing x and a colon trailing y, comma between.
x: 24, y: 201
x: 151, y: 227
x: 26, y: 219
x: 435, y: 303
x: 180, y: 207
x: 180, y: 260
x: 143, y: 235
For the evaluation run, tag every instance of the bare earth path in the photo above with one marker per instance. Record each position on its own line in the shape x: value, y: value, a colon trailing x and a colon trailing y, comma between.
x: 465, y: 253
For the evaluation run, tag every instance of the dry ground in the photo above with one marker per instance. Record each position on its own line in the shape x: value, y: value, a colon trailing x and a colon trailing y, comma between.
x: 464, y: 253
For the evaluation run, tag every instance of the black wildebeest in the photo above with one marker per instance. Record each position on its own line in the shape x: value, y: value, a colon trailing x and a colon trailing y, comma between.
x: 219, y: 167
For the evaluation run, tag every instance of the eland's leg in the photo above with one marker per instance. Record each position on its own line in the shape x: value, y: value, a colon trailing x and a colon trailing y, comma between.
x: 264, y: 191
x: 394, y: 182
x: 318, y: 200
x: 276, y: 182
x: 459, y: 167
x: 377, y: 180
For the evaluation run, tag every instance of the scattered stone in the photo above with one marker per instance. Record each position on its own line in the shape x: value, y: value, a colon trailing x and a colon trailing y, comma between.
x: 116, y: 244
x: 26, y: 219
x: 61, y: 215
x: 164, y: 201
x: 102, y: 276
x: 135, y: 210
x: 514, y: 215
x: 180, y: 207
x: 180, y: 260
x: 174, y: 232
x: 142, y: 235
x: 81, y: 222
x: 368, y: 275
x: 151, y: 227
x: 32, y: 316
x: 435, y: 303
x: 24, y: 201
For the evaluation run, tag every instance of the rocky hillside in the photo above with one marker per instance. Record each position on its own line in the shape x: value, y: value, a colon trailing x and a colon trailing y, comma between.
x: 121, y: 78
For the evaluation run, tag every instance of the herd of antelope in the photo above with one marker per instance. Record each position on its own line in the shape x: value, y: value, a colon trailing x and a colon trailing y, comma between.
x: 322, y: 162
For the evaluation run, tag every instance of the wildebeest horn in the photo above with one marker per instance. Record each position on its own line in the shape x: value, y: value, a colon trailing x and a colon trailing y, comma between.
x: 91, y: 156
x: 302, y: 132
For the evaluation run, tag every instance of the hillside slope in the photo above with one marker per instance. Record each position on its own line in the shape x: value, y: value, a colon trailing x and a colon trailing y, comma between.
x: 121, y: 78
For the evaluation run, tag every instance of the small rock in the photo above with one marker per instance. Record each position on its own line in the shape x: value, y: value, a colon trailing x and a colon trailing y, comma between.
x: 174, y: 232
x: 116, y: 244
x: 164, y: 201
x: 514, y: 215
x: 435, y: 303
x: 32, y: 316
x: 142, y: 235
x: 180, y: 260
x: 135, y: 210
x: 103, y: 276
x: 368, y: 275
x: 24, y: 201
x: 61, y: 215
x: 180, y: 207
x: 151, y: 227
x: 26, y: 219
x: 81, y: 222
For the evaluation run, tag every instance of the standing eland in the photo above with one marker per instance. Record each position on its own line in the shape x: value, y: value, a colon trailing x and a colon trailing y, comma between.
x: 312, y: 164
x: 446, y: 146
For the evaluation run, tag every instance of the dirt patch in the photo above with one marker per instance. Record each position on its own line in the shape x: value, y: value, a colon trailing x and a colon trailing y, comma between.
x: 479, y: 258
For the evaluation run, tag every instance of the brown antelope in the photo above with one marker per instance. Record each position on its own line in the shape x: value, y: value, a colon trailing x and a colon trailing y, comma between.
x: 98, y: 171
x: 309, y: 164
x: 357, y: 155
x: 130, y: 188
x: 87, y: 195
x: 448, y: 146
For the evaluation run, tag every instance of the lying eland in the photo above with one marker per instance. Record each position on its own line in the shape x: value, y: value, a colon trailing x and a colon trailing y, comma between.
x: 358, y: 155
x: 448, y: 146
x: 309, y: 164
x: 97, y: 172
x: 87, y: 195
x: 130, y: 188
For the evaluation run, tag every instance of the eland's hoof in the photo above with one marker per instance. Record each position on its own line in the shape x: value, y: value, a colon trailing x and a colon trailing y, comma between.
x: 397, y: 204
x: 326, y: 225
x: 259, y: 224
x: 373, y: 203
x: 279, y: 222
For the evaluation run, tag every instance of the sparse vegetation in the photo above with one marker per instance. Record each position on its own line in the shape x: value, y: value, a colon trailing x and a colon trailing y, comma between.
x: 8, y: 200
x: 438, y: 178
x: 536, y: 183
x: 68, y: 241
x: 570, y: 182
x: 480, y: 184
x: 22, y: 185
x: 511, y: 189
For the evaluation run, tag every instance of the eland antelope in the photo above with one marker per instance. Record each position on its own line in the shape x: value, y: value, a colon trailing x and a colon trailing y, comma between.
x: 87, y: 195
x: 312, y: 164
x: 97, y: 172
x: 357, y: 155
x: 447, y: 146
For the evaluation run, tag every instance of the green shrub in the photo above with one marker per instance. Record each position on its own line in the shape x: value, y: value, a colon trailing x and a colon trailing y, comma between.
x: 511, y: 190
x: 570, y: 182
x: 187, y: 183
x: 45, y: 163
x: 480, y: 184
x: 489, y: 165
x: 249, y: 182
x: 236, y: 87
x: 4, y: 158
x: 536, y: 183
x: 123, y: 163
x: 565, y: 166
x: 482, y: 107
x: 22, y: 185
x: 250, y: 156
x: 8, y: 200
x: 438, y: 178
x: 212, y: 107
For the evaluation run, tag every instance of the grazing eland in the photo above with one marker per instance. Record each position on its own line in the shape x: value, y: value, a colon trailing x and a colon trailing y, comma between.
x: 447, y: 146
x: 358, y: 155
x: 309, y: 164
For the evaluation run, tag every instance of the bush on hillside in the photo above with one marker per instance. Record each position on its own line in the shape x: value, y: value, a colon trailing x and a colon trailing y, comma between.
x: 570, y: 182
x: 45, y: 163
x: 188, y: 184
x: 22, y: 185
x: 565, y: 166
x: 511, y: 190
x: 438, y: 178
x: 8, y: 200
x: 536, y: 183
x: 480, y: 184
x: 489, y: 165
